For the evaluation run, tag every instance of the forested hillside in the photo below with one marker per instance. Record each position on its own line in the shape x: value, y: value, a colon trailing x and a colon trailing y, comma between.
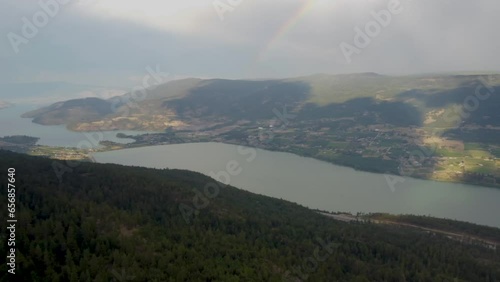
x: 115, y: 223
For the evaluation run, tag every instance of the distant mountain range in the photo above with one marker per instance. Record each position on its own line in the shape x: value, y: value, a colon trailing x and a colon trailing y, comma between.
x: 192, y: 103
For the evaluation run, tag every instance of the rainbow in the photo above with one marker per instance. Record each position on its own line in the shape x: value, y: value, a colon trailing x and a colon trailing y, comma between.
x: 287, y: 26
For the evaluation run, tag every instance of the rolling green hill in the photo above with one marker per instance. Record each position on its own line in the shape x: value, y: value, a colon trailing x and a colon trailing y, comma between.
x: 330, y: 96
x: 317, y: 96
x: 115, y: 223
x: 79, y: 110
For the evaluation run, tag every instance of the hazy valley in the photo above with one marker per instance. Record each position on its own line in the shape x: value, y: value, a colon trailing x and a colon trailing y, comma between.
x: 442, y: 127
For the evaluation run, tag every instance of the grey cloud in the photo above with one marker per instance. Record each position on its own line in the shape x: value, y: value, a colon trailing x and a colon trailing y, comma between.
x: 428, y: 36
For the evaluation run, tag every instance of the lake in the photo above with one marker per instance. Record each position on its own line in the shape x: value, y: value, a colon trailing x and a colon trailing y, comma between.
x: 317, y: 184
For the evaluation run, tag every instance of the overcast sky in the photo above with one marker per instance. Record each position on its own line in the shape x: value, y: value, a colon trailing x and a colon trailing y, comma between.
x: 111, y: 42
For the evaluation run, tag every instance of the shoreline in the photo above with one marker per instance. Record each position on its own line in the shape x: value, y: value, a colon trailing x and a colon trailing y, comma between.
x: 131, y: 146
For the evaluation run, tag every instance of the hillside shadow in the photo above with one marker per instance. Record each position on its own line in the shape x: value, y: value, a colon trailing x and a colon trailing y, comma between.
x: 241, y: 100
x: 368, y: 111
x: 471, y: 115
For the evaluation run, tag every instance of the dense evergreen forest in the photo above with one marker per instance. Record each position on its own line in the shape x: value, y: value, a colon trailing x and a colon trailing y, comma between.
x: 116, y: 223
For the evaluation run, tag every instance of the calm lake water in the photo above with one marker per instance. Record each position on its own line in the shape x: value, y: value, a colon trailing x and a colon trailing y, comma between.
x: 11, y: 123
x: 318, y: 184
